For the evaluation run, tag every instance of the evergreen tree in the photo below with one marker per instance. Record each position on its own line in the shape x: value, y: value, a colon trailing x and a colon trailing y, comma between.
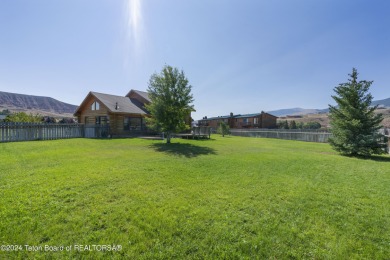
x: 293, y: 124
x: 171, y: 99
x: 282, y: 124
x: 285, y: 125
x: 354, y: 125
x: 312, y: 125
x: 300, y: 125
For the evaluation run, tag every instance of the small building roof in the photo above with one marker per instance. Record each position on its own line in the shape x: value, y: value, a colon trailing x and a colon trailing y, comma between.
x: 247, y: 115
x: 214, y: 118
x: 237, y: 116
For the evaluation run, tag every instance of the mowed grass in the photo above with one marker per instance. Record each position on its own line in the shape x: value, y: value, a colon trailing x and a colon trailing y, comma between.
x: 230, y: 198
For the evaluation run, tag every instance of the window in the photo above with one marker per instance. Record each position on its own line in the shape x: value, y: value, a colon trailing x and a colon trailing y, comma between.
x: 255, y: 121
x: 133, y: 123
x: 95, y: 106
x: 102, y: 120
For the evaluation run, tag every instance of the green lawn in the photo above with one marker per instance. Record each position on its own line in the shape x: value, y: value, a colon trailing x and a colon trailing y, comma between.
x: 231, y: 198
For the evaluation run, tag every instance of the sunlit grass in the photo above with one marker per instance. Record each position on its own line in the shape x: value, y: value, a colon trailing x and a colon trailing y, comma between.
x: 228, y: 197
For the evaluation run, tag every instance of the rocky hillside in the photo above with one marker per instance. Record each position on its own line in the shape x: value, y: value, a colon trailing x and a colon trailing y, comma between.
x: 35, y: 104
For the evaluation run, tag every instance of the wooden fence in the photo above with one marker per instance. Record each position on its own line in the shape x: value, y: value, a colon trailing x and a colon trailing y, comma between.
x: 298, y: 134
x: 14, y: 132
x: 96, y: 131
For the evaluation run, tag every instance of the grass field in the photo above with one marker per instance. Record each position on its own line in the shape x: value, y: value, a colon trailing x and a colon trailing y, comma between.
x: 231, y: 198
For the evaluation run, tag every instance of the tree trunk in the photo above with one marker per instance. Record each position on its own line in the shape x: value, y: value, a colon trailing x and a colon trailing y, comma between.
x: 168, y: 138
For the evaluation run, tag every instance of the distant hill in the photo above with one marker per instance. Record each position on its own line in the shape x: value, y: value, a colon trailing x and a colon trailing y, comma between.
x: 35, y: 104
x: 295, y: 111
x: 383, y: 102
x: 303, y: 111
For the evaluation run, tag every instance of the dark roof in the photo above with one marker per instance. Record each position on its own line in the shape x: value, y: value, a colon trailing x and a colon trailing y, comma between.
x: 247, y: 115
x: 217, y: 117
x: 125, y: 104
x: 143, y: 94
x: 236, y: 116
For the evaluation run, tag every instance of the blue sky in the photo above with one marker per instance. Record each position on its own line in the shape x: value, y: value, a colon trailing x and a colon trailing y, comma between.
x: 240, y: 56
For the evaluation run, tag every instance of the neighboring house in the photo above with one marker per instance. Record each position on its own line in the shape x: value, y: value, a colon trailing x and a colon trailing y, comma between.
x: 258, y: 120
x: 2, y: 117
x: 124, y: 115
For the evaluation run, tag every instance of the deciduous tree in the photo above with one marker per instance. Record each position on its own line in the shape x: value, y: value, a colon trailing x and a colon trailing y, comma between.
x: 223, y: 128
x: 171, y: 99
x: 22, y: 117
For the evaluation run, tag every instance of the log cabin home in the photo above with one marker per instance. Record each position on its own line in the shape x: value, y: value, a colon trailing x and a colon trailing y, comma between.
x: 257, y: 120
x: 125, y: 116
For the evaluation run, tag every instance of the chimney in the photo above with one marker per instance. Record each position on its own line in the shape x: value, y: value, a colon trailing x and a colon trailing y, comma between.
x: 116, y: 106
x: 231, y: 114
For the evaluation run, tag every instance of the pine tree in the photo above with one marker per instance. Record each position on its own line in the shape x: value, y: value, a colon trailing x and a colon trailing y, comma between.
x: 285, y: 125
x: 293, y: 125
x: 354, y: 125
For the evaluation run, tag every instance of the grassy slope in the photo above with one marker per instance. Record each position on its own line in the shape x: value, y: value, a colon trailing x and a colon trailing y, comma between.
x: 228, y: 198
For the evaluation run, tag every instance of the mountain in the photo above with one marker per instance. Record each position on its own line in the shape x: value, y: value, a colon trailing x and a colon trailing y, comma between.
x: 383, y: 102
x: 296, y: 111
x: 35, y: 104
x: 302, y: 111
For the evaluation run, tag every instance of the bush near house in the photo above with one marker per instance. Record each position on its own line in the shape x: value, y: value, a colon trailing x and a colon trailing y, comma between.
x: 22, y: 117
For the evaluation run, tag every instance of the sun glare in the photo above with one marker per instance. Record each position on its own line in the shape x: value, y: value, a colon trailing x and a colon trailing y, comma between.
x: 133, y: 18
x: 132, y: 30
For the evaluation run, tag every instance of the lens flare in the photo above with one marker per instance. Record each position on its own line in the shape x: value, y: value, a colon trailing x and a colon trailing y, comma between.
x: 133, y: 29
x: 134, y: 18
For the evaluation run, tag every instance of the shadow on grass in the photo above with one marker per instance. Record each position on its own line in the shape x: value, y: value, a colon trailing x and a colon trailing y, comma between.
x: 180, y: 149
x: 375, y: 158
